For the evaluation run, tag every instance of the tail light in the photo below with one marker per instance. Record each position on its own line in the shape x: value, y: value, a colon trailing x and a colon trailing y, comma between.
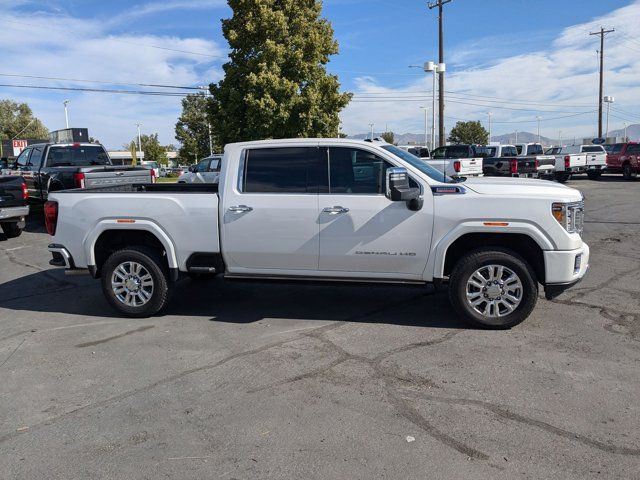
x: 456, y: 166
x: 51, y: 216
x: 25, y: 191
x: 78, y: 180
x: 514, y: 166
x: 536, y: 165
x: 153, y: 176
x: 567, y: 162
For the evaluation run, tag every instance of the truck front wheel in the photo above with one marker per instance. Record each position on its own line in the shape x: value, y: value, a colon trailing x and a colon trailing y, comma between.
x: 628, y: 173
x: 135, y: 282
x: 493, y: 288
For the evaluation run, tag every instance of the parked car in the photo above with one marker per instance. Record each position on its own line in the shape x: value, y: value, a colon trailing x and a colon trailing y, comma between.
x: 503, y: 161
x: 569, y: 161
x: 49, y: 167
x: 458, y: 160
x: 596, y: 160
x: 624, y: 158
x: 13, y: 204
x: 328, y: 209
x: 546, y: 163
x: 206, y: 170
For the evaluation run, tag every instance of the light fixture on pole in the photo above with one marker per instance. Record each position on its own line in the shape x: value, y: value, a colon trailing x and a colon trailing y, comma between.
x: 371, y: 126
x: 608, y: 99
x: 435, y: 68
x: 538, y: 119
x: 426, y: 128
x: 489, y: 114
x: 66, y: 115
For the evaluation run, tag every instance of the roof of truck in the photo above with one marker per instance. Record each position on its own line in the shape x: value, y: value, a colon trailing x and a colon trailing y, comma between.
x: 310, y: 141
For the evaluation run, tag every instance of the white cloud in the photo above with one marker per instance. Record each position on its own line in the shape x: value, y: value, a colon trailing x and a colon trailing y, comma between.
x: 563, y: 78
x: 57, y: 45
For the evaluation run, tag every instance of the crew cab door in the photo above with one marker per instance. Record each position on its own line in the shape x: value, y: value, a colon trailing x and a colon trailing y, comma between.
x: 270, y: 217
x: 361, y: 231
x: 24, y: 167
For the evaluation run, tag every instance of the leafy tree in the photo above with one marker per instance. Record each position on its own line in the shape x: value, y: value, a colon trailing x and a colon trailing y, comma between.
x: 192, y: 130
x: 153, y: 151
x: 469, y: 132
x: 388, y: 137
x: 276, y: 84
x: 16, y: 119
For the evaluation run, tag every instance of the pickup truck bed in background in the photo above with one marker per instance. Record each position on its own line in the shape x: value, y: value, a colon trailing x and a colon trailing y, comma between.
x: 13, y: 205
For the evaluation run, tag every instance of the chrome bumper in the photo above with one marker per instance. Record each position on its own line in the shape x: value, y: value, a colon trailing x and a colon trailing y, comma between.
x: 61, y: 256
x: 13, y: 212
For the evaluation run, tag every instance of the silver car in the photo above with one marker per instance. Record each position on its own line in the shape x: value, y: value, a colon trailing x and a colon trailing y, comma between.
x: 206, y: 170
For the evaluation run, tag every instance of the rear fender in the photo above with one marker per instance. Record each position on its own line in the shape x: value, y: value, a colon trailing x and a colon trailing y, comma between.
x: 138, y: 224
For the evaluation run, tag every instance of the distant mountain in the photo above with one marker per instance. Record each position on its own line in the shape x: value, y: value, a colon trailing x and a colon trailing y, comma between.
x: 633, y: 132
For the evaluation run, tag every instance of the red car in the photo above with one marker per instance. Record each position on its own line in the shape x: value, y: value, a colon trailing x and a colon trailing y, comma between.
x: 624, y: 158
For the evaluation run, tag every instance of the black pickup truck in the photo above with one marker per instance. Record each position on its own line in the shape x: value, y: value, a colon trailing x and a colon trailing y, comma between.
x: 503, y: 161
x: 49, y: 167
x: 13, y: 205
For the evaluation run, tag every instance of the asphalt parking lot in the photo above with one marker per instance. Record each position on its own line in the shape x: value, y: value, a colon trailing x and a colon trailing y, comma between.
x: 239, y: 380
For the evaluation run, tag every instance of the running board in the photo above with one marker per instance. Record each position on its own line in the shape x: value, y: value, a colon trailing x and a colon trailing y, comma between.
x: 293, y: 278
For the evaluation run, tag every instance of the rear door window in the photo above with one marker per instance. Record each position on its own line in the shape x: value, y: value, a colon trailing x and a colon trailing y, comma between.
x: 535, y: 150
x: 279, y: 170
x: 36, y: 157
x: 80, y: 156
x: 633, y: 149
x: 509, y: 152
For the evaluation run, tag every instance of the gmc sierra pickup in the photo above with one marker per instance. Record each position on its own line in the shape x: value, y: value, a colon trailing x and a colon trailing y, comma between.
x: 13, y: 205
x: 333, y: 210
x: 49, y: 167
x: 570, y: 160
x: 503, y: 161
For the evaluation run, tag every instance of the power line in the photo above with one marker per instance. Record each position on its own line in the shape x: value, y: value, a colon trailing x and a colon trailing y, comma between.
x: 180, y: 87
x: 99, y: 90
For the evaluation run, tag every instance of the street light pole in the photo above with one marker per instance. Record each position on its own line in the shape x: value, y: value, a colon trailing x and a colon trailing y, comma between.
x: 559, y: 138
x: 371, y: 126
x: 489, y: 114
x: 625, y: 132
x: 210, y: 139
x: 139, y: 137
x: 538, y: 118
x: 426, y: 126
x: 66, y: 115
x: 608, y: 99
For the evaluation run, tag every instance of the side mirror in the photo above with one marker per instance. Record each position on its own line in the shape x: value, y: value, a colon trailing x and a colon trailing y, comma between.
x: 398, y: 189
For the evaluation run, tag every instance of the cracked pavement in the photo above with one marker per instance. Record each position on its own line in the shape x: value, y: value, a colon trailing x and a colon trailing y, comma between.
x: 244, y: 380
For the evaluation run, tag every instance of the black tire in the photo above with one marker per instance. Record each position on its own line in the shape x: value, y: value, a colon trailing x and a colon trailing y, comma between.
x: 594, y: 174
x: 627, y: 172
x: 562, y: 177
x: 477, y: 259
x: 11, y: 230
x: 156, y: 268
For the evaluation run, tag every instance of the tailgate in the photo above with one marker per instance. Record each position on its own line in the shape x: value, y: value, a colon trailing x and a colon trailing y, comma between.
x: 526, y: 165
x: 470, y: 166
x: 546, y: 162
x: 114, y: 176
x: 578, y: 160
x: 11, y: 192
x: 596, y: 158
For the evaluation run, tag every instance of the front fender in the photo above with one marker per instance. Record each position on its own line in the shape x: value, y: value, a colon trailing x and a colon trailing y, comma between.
x: 435, y: 267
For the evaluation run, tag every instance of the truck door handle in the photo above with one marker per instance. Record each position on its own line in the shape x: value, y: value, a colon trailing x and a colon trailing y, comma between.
x: 240, y: 209
x: 335, y: 210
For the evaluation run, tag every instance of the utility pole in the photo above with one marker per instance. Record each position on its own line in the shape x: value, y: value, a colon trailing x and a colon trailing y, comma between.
x: 602, y: 33
x: 489, y: 114
x: 139, y: 138
x: 432, y: 5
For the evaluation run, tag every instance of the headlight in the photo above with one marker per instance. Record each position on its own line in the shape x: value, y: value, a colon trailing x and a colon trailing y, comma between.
x: 569, y: 215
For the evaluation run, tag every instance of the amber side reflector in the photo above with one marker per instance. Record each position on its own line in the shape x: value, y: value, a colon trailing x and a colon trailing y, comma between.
x: 496, y: 224
x: 125, y: 220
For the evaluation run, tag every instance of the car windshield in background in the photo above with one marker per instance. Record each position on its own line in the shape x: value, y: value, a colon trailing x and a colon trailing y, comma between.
x: 492, y: 151
x: 553, y: 151
x: 594, y: 149
x: 82, y: 156
x: 418, y: 163
x: 151, y: 164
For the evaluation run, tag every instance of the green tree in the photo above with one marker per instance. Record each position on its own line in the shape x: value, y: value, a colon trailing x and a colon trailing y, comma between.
x: 388, y: 137
x: 16, y: 119
x: 469, y: 132
x: 192, y: 130
x: 153, y: 151
x: 276, y: 84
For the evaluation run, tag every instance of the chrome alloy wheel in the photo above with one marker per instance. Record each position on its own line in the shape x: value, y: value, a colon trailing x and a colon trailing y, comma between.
x: 132, y: 284
x: 494, y: 291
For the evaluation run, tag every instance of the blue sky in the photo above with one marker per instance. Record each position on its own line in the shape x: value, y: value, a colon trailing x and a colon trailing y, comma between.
x: 535, y: 53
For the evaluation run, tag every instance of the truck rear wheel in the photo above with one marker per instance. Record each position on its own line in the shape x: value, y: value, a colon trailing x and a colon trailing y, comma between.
x: 11, y: 230
x: 628, y: 173
x: 493, y: 288
x: 562, y: 177
x: 135, y: 282
x: 594, y: 174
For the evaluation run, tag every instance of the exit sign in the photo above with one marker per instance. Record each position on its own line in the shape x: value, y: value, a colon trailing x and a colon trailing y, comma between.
x: 18, y: 147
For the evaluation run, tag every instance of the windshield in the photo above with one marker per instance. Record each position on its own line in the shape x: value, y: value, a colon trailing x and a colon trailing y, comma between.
x: 417, y: 163
x: 553, y: 151
x: 80, y: 156
x: 151, y: 164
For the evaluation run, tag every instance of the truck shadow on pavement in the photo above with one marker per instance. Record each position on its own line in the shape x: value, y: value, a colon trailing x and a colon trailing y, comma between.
x: 50, y: 291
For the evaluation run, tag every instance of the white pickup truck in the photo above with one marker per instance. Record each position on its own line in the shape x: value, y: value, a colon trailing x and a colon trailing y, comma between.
x: 570, y: 160
x: 596, y: 160
x: 333, y: 210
